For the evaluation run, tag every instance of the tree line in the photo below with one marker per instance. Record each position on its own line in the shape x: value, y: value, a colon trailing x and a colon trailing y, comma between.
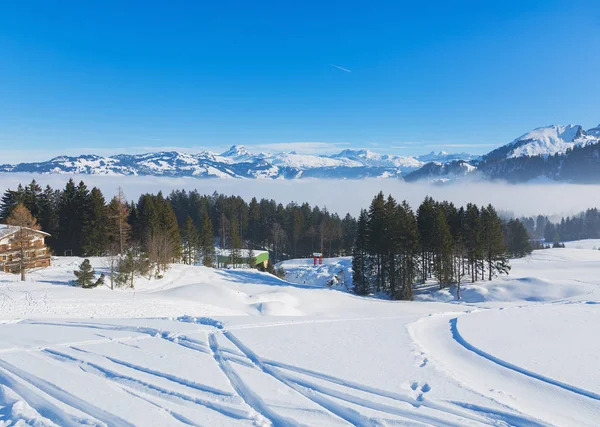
x: 396, y: 248
x: 584, y: 225
x: 392, y: 247
x: 184, y: 226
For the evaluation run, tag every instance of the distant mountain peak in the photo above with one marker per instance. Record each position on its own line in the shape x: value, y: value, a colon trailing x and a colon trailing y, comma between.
x: 235, y: 150
x: 594, y: 131
x: 545, y: 141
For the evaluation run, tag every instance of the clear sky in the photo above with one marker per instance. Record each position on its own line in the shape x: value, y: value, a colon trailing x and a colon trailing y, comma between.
x: 400, y: 77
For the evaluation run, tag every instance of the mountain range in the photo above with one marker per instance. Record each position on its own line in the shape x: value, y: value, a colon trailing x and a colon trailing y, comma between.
x: 237, y: 162
x: 561, y: 153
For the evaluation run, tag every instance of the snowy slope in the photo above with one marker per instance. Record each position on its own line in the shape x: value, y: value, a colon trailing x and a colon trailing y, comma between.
x: 239, y: 347
x: 546, y: 141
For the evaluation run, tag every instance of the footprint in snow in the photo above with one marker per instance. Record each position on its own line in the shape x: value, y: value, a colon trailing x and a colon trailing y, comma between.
x: 423, y: 363
x: 414, y: 385
x: 425, y: 388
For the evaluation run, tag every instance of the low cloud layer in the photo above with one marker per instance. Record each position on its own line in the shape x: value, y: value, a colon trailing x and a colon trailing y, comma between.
x: 346, y: 196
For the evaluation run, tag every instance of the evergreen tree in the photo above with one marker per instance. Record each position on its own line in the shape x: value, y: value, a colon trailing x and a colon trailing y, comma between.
x: 442, y: 249
x: 191, y: 242
x: 472, y: 239
x: 10, y: 199
x: 493, y: 242
x: 360, y: 255
x: 518, y: 239
x: 408, y: 251
x: 550, y: 233
x: 425, y: 222
x: 236, y: 245
x: 48, y: 217
x: 95, y: 225
x: 207, y: 242
x: 69, y: 223
x: 85, y: 275
x: 376, y: 237
x: 131, y: 265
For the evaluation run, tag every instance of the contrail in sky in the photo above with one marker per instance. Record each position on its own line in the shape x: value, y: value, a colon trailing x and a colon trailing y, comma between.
x: 341, y: 68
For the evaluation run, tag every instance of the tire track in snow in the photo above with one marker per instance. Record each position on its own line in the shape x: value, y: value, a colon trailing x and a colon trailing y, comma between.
x: 308, y: 389
x: 64, y: 396
x: 172, y: 378
x: 463, y: 342
x: 343, y: 412
x: 42, y: 406
x: 175, y: 415
x: 244, y: 391
x: 129, y: 382
x: 399, y: 397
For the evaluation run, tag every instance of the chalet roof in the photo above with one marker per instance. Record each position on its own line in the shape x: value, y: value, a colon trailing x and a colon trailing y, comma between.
x: 7, y: 230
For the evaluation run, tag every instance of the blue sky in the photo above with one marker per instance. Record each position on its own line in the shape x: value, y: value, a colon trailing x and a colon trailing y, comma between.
x: 108, y: 77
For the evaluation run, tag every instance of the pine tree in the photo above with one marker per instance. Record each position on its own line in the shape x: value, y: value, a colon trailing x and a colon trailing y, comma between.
x: 425, y: 222
x: 95, y: 225
x: 376, y: 237
x: 236, y: 245
x: 442, y: 249
x: 48, y: 219
x: 550, y: 233
x: 493, y: 242
x: 518, y: 239
x: 169, y: 223
x: 207, y: 242
x: 9, y: 200
x: 408, y: 251
x: 472, y: 233
x: 360, y: 275
x: 85, y: 275
x: 132, y: 264
x: 191, y: 241
x: 69, y: 225
x: 391, y: 246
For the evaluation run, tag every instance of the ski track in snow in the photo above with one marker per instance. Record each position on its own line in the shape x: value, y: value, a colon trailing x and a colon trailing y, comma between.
x: 462, y: 341
x: 340, y: 398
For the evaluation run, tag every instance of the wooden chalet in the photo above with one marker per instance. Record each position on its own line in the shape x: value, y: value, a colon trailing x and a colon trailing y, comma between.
x: 36, y: 253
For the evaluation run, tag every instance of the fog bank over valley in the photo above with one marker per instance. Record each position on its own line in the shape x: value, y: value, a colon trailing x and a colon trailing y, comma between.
x: 345, y: 195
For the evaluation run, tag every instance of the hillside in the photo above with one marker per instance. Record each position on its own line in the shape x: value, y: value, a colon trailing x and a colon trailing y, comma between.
x: 239, y: 347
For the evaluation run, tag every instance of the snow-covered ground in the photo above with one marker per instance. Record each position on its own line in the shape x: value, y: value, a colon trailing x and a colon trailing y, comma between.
x: 239, y: 347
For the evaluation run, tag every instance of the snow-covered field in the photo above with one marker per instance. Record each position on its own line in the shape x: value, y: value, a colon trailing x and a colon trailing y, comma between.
x: 239, y: 347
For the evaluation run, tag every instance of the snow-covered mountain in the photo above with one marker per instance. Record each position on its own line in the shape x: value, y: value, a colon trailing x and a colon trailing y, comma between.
x: 560, y: 153
x: 563, y: 153
x: 236, y: 162
x: 444, y: 157
x: 547, y: 141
